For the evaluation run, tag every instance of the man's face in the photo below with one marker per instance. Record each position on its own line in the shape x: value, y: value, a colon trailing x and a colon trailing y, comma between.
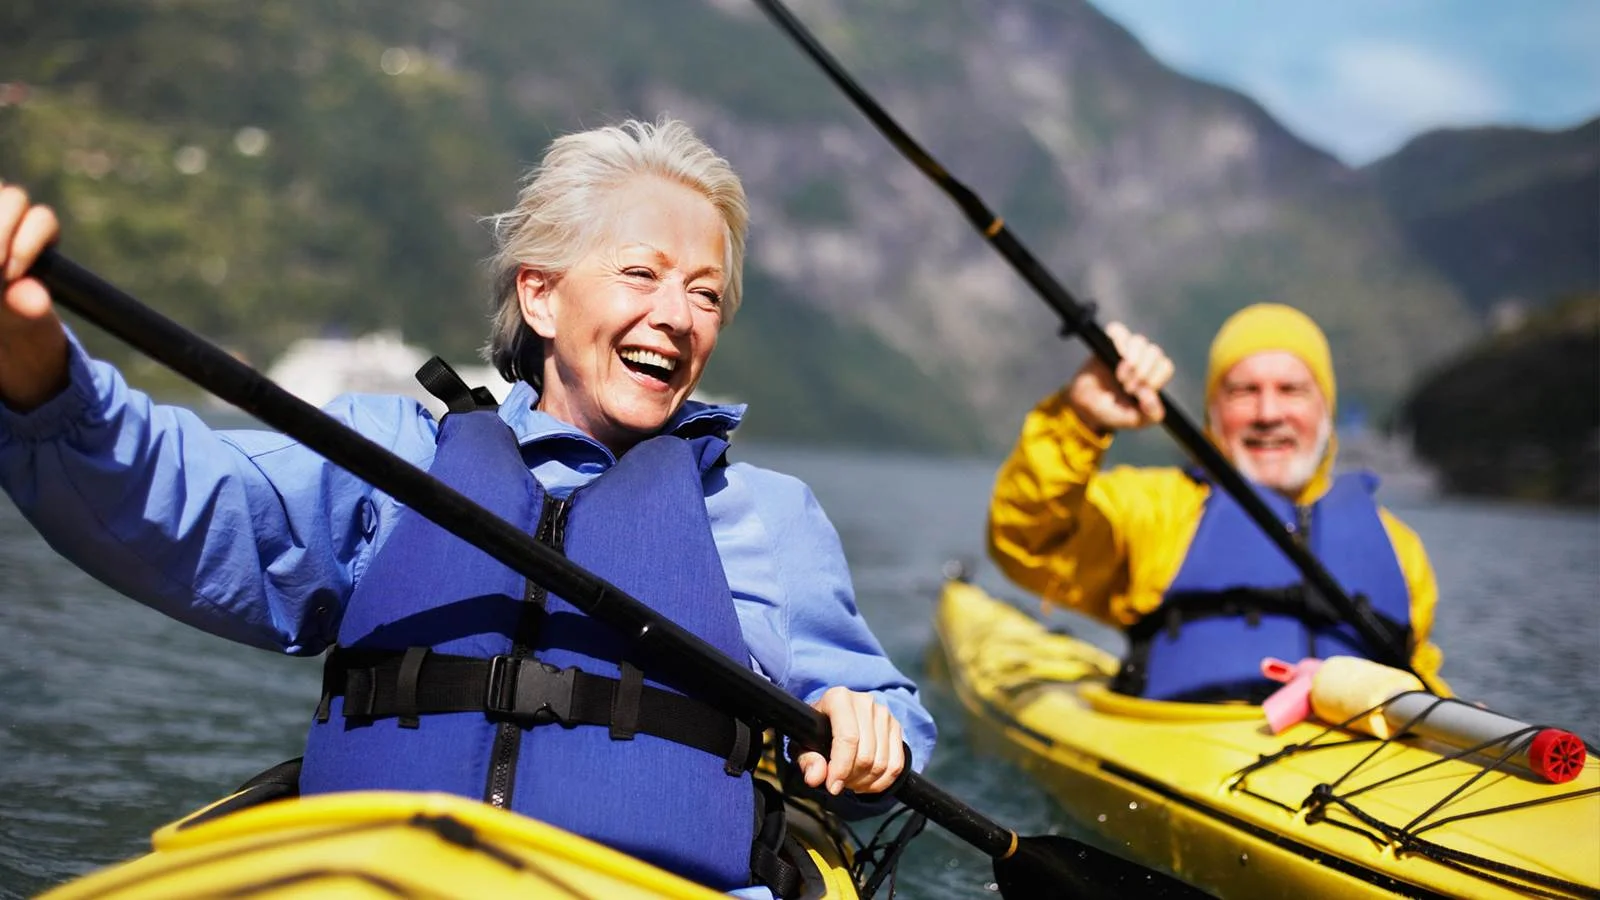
x: 1272, y: 421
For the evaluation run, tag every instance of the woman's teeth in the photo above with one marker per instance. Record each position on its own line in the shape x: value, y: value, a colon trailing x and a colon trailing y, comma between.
x: 649, y: 358
x: 649, y: 364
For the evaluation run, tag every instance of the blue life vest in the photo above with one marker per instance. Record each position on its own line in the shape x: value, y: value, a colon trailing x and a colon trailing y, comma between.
x: 1237, y: 598
x: 430, y: 604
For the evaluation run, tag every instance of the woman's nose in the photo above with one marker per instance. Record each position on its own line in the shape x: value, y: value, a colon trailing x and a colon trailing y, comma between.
x: 672, y: 310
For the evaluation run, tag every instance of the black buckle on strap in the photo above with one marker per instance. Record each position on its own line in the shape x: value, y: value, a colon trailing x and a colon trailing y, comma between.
x: 527, y: 690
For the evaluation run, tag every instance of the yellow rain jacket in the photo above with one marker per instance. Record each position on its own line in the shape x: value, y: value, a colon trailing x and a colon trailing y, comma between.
x: 1108, y: 544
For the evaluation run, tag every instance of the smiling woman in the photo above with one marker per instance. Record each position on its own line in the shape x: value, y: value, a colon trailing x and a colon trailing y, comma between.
x: 628, y: 329
x: 616, y: 271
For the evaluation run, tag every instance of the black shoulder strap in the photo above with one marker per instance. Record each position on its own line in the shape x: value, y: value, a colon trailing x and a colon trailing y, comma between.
x: 442, y: 381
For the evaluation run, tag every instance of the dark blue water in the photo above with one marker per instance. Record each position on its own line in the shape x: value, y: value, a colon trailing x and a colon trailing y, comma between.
x: 114, y: 720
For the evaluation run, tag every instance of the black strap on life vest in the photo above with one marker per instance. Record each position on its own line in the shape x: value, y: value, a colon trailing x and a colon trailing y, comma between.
x: 442, y: 381
x: 773, y: 843
x: 418, y: 682
x: 1251, y: 603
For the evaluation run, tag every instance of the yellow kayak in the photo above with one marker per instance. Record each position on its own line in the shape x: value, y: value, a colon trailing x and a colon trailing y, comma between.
x: 1207, y: 792
x: 393, y: 844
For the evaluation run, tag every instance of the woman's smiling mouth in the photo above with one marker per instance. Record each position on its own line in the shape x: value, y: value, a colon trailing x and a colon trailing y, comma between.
x: 652, y: 365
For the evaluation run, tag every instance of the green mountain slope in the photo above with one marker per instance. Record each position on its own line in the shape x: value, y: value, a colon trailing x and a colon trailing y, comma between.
x: 810, y: 380
x: 1508, y: 215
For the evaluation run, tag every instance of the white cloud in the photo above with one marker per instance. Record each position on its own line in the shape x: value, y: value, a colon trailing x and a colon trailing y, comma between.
x: 1363, y: 99
x: 1407, y: 83
x: 1360, y: 77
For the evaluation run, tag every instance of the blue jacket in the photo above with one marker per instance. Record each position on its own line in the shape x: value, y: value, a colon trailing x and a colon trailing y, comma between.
x: 255, y: 538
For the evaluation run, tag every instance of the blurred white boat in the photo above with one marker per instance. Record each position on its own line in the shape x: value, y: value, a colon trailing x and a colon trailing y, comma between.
x: 1390, y: 457
x: 319, y: 369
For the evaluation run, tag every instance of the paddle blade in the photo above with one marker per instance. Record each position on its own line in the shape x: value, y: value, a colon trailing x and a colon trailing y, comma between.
x: 1053, y: 866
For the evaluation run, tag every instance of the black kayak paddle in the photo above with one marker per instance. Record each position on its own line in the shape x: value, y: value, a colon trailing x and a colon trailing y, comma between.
x: 1078, y: 318
x: 1025, y: 867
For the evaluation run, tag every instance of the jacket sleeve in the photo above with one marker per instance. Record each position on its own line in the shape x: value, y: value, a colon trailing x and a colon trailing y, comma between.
x: 1046, y: 533
x: 797, y: 606
x: 1426, y: 657
x: 246, y: 534
x: 1105, y: 544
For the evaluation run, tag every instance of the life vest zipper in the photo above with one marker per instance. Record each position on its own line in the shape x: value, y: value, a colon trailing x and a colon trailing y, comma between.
x: 508, y: 735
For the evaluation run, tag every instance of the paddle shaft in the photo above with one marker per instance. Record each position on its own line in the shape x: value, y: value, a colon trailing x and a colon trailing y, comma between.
x: 1078, y: 318
x: 714, y: 674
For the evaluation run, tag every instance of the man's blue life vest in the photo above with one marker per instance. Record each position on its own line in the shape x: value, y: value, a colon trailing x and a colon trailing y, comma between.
x: 1237, y: 598
x: 455, y: 674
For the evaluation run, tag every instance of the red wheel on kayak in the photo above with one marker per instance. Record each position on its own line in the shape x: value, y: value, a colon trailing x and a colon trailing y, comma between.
x: 1557, y: 755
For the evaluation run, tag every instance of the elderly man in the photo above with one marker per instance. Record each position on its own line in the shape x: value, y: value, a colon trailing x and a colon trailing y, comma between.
x: 1163, y: 553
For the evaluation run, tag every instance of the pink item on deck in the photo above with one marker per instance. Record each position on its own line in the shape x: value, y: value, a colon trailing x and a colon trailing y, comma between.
x: 1292, y: 702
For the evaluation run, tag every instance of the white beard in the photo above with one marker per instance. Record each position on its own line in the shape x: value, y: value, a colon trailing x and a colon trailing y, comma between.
x: 1300, y: 470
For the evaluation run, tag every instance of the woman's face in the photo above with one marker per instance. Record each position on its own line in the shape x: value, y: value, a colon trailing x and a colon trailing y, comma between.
x: 629, y: 327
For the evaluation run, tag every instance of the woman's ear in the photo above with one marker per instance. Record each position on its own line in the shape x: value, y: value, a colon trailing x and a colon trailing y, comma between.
x: 536, y: 297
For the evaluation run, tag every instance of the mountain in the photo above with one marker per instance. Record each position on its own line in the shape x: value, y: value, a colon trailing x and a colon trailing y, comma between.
x: 1518, y: 415
x: 1168, y: 201
x: 277, y: 170
x: 1510, y: 216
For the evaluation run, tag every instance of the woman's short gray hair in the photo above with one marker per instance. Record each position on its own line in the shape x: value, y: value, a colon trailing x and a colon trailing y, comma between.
x: 558, y: 216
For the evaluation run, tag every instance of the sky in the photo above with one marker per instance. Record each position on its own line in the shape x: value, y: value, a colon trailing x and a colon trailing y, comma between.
x: 1358, y: 78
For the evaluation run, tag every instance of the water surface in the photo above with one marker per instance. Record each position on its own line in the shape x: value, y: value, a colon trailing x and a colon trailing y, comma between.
x: 114, y: 720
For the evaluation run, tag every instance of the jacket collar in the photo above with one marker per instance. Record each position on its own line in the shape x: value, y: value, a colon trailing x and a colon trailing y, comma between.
x: 532, y: 426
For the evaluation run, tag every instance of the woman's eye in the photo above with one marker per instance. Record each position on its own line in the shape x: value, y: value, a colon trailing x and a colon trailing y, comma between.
x: 710, y: 297
x: 638, y: 272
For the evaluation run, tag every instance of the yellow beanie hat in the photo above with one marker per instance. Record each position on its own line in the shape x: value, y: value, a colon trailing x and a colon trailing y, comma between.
x: 1271, y: 326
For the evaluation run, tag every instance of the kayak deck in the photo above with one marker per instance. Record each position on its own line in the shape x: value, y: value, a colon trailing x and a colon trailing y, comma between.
x: 1206, y: 791
x: 390, y: 843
